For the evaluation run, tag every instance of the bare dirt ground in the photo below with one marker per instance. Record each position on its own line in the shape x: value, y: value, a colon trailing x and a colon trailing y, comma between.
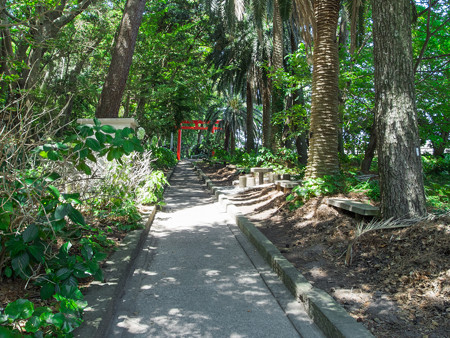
x: 398, y: 283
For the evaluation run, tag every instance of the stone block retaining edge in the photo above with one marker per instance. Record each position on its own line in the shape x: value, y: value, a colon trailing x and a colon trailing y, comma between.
x: 326, y: 312
x: 102, y: 296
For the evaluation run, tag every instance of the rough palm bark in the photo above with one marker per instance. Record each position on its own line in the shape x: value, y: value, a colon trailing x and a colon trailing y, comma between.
x: 114, y: 86
x: 277, y: 64
x: 323, y: 145
x: 399, y: 161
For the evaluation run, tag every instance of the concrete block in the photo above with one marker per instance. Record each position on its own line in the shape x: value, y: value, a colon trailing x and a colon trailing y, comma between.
x: 242, y: 181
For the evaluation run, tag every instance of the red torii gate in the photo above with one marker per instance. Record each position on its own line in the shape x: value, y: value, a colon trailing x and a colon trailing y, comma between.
x: 198, y: 125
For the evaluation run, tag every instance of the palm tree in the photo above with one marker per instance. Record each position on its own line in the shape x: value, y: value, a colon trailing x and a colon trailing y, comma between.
x: 322, y: 17
x: 237, y: 52
x: 232, y: 115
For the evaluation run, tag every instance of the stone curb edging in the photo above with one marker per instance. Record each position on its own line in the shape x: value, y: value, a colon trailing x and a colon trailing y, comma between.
x: 326, y: 312
x: 102, y: 296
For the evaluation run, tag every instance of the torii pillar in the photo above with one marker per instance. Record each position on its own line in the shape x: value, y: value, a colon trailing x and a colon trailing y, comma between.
x: 197, y: 125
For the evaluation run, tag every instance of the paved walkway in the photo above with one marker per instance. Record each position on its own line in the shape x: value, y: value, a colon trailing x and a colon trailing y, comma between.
x: 198, y: 276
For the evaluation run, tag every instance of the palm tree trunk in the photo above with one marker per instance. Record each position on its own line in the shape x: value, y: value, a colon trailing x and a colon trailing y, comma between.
x: 227, y: 138
x: 323, y: 148
x: 232, y: 142
x: 277, y: 63
x: 250, y: 145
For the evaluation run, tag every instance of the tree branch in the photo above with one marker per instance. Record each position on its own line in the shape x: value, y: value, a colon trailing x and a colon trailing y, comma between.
x: 427, y: 39
x: 66, y: 18
x: 435, y: 57
x: 426, y: 9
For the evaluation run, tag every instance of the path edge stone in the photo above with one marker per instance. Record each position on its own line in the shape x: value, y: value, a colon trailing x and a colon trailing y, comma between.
x: 325, y: 311
x: 103, y: 296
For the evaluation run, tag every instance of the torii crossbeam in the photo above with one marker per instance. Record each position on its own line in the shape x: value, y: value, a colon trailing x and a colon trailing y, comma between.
x: 193, y: 125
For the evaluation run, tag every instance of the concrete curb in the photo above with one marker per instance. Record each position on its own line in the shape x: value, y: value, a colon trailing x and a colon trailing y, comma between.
x: 326, y: 313
x: 102, y: 296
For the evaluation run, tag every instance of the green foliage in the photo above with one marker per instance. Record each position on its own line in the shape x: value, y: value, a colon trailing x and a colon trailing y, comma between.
x: 64, y: 270
x: 371, y: 188
x: 309, y: 188
x: 431, y: 36
x: 330, y: 185
x: 128, y: 183
x: 436, y: 165
x: 44, y: 320
x: 164, y: 158
x: 438, y: 196
x: 437, y: 186
x: 151, y: 192
x: 174, y: 87
x: 37, y: 211
x: 285, y: 161
x: 91, y: 143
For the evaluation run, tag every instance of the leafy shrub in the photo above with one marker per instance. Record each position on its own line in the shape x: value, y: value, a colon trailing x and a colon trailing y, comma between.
x: 438, y: 196
x: 163, y: 158
x: 43, y: 320
x: 39, y: 208
x: 285, y: 161
x: 327, y: 185
x: 436, y: 165
x: 151, y: 192
x: 371, y: 188
x: 126, y: 184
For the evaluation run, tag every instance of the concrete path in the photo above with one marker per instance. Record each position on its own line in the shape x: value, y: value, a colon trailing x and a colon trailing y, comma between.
x: 198, y: 276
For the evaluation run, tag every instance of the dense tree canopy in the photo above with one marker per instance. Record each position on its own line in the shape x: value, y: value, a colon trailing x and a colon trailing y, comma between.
x: 314, y: 83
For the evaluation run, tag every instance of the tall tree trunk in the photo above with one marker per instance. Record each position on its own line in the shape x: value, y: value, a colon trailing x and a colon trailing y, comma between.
x: 267, y: 114
x: 323, y: 145
x: 298, y: 98
x: 126, y: 105
x: 399, y: 161
x: 370, y: 150
x: 439, y: 148
x: 46, y: 26
x: 341, y: 108
x: 277, y: 63
x: 122, y: 55
x: 227, y: 138
x: 342, y: 50
x: 232, y: 142
x: 301, y: 144
x: 301, y: 141
x: 6, y: 53
x: 250, y: 144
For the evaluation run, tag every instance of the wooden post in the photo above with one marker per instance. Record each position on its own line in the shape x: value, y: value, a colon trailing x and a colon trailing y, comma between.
x: 179, y: 145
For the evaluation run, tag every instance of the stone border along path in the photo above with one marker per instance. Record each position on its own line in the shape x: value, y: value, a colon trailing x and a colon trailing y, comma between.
x: 227, y: 290
x: 101, y: 296
x: 326, y: 312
